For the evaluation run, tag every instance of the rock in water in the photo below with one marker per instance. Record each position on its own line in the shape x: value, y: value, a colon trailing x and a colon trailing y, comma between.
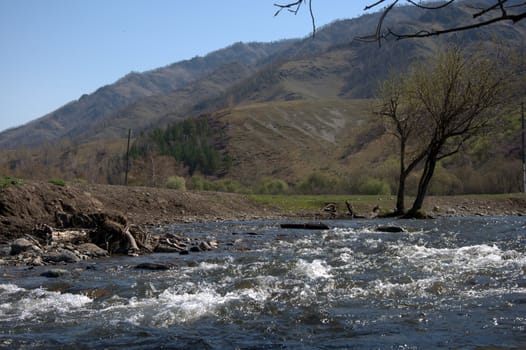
x: 62, y: 255
x: 392, y: 229
x: 152, y: 266
x: 306, y: 226
x: 55, y: 273
x: 92, y: 250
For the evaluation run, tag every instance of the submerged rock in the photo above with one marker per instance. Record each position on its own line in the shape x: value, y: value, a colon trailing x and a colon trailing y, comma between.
x: 306, y: 226
x: 391, y: 229
x: 153, y: 266
x: 55, y: 273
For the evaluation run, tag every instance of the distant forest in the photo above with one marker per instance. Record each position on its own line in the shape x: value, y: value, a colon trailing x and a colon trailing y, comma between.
x: 195, y: 143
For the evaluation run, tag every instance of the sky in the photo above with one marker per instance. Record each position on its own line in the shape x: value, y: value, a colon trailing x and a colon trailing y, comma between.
x: 54, y: 51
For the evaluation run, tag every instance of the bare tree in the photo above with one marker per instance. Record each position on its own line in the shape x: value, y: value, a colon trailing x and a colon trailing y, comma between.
x: 405, y: 121
x: 483, y: 13
x: 438, y: 107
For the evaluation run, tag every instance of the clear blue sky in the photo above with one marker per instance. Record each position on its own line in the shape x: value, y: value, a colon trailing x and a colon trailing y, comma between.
x: 53, y: 51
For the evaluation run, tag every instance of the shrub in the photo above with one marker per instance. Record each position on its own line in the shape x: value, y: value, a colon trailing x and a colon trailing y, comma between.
x: 272, y: 186
x: 318, y: 183
x: 199, y: 183
x: 372, y: 186
x: 8, y: 180
x: 80, y: 181
x: 231, y: 186
x: 444, y: 182
x: 176, y: 183
x: 58, y: 182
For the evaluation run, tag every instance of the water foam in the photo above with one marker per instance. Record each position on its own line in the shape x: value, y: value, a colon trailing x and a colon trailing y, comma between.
x: 34, y: 304
x: 473, y: 257
x: 314, y: 270
x: 180, y: 305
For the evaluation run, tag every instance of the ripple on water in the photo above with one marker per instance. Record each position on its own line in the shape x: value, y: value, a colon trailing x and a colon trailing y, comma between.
x: 457, y: 283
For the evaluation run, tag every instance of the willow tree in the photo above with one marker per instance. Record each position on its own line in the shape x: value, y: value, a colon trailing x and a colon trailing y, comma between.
x: 437, y: 107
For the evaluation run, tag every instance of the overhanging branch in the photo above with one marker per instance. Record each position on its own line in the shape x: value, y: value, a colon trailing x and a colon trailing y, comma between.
x: 501, y: 10
x: 430, y: 33
x: 294, y: 7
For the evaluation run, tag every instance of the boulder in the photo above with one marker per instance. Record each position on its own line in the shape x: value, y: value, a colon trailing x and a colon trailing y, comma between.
x: 205, y: 246
x: 92, y: 250
x: 34, y: 260
x: 168, y: 249
x: 61, y: 256
x: 21, y: 245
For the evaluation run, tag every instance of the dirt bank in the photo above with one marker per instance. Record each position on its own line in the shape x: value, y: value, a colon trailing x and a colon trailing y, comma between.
x: 476, y: 205
x: 25, y: 205
x: 46, y: 224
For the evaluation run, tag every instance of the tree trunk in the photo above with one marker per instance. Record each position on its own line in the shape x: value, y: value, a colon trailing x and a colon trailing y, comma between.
x: 400, y: 195
x: 404, y: 173
x: 423, y: 185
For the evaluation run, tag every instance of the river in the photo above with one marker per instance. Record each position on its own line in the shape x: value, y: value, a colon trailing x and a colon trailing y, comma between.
x: 446, y: 283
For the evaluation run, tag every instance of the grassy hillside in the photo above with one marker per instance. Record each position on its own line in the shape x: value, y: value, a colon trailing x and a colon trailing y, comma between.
x: 299, y: 146
x: 294, y: 116
x: 291, y: 139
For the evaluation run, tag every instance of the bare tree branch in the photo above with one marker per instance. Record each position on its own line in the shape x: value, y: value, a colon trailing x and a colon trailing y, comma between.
x: 289, y: 7
x: 426, y: 7
x: 294, y: 7
x: 501, y: 5
x: 497, y: 10
x: 368, y: 7
x: 430, y: 33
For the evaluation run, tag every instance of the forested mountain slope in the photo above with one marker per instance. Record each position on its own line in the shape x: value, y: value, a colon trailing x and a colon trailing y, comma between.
x: 289, y: 110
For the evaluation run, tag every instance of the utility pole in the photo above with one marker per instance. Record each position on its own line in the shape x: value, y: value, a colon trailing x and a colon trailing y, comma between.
x: 128, y: 156
x: 523, y: 152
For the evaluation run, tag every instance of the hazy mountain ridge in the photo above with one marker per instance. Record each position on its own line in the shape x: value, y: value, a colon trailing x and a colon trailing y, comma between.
x: 153, y: 110
x: 90, y: 109
x: 330, y: 65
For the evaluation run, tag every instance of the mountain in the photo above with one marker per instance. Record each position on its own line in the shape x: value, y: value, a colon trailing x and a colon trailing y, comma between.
x: 330, y: 65
x: 92, y: 110
x: 284, y: 110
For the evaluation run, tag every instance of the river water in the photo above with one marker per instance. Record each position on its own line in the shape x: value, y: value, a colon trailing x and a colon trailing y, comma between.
x: 447, y: 283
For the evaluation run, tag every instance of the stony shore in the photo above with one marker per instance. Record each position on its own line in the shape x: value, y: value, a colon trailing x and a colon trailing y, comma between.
x: 48, y: 224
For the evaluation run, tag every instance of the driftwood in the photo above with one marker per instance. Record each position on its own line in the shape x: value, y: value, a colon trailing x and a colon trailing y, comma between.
x: 331, y: 209
x: 111, y: 232
x: 352, y: 214
x: 134, y: 249
x: 81, y: 236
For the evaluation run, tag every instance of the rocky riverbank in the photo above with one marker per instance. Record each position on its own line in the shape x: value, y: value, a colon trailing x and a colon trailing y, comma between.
x: 46, y: 224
